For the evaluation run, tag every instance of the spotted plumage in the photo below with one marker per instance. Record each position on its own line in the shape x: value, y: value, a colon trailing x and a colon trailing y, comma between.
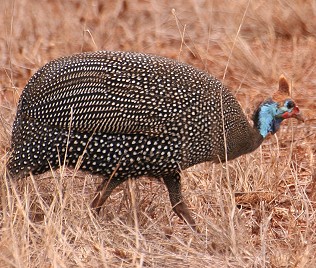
x: 126, y: 115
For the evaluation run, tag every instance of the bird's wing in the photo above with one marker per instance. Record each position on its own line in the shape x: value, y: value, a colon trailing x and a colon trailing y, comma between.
x: 91, y: 96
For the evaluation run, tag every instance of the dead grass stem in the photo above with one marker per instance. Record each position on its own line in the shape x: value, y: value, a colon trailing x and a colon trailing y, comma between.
x: 260, y: 214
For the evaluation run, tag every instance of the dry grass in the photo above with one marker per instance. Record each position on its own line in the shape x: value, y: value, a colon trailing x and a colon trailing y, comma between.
x: 258, y: 211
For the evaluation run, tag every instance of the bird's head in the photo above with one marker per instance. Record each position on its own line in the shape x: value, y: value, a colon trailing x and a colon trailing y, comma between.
x: 272, y: 112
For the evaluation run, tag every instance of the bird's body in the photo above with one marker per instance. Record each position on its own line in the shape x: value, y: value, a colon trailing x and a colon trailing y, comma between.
x: 126, y: 115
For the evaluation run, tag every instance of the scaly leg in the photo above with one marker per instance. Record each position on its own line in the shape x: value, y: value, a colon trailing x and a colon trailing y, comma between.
x: 103, y: 192
x: 179, y: 207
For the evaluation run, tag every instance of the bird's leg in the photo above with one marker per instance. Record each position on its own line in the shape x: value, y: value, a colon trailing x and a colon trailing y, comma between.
x: 103, y: 192
x: 179, y: 207
x: 105, y: 189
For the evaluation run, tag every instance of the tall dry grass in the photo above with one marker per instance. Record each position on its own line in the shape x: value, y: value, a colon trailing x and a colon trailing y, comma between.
x: 256, y: 211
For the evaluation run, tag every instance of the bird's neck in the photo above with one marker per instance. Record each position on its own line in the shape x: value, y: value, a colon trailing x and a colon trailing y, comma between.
x: 265, y: 120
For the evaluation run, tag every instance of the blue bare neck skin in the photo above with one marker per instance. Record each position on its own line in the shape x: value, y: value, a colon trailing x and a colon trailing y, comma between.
x: 267, y: 120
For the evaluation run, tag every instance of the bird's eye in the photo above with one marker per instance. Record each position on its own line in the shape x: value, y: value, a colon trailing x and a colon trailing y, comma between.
x: 290, y: 104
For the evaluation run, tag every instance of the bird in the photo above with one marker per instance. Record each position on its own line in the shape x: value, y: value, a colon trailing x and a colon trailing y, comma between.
x: 126, y: 115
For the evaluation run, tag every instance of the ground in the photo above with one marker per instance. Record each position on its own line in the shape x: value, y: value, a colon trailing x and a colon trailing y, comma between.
x: 256, y: 211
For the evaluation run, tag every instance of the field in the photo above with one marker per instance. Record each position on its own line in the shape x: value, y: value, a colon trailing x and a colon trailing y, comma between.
x: 256, y: 211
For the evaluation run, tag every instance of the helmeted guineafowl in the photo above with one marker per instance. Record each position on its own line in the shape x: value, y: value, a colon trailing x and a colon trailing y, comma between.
x: 126, y: 115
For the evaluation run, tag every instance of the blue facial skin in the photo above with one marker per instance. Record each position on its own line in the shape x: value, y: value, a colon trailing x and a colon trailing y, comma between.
x: 270, y: 116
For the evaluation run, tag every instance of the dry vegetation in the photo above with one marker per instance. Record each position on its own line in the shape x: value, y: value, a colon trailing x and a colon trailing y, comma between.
x: 258, y: 211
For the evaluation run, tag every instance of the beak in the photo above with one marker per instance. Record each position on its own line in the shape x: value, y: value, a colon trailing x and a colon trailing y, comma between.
x: 295, y: 113
x: 299, y: 117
